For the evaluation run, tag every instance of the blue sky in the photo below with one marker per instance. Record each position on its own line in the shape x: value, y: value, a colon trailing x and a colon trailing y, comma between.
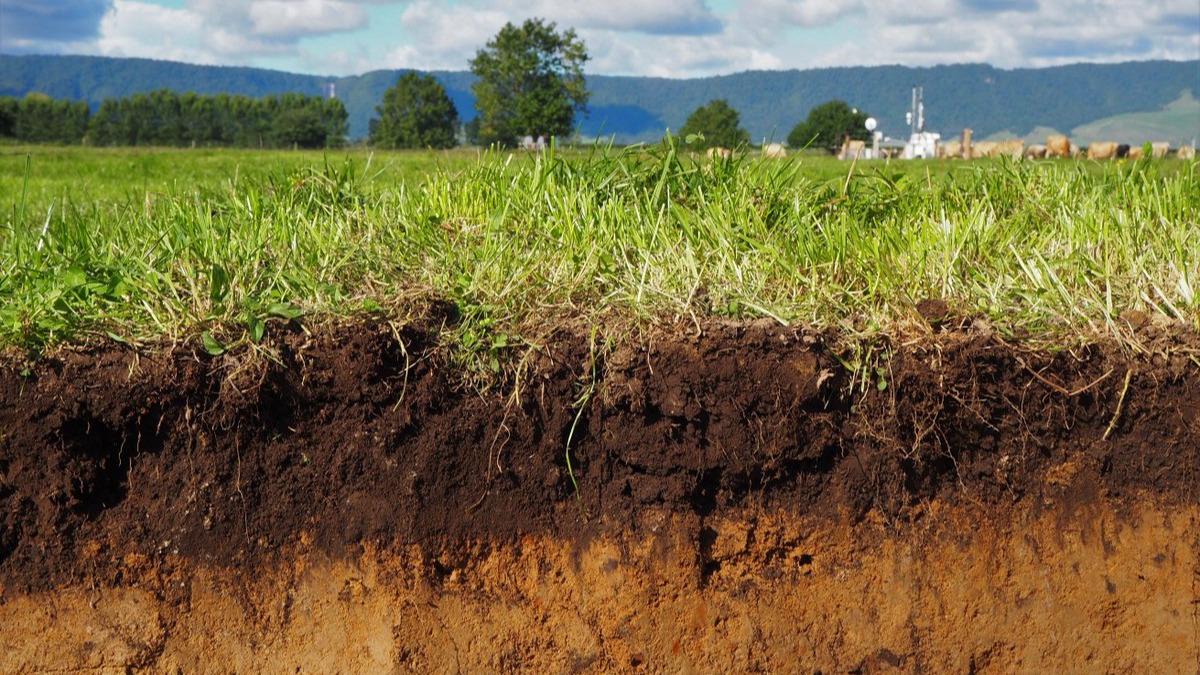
x: 683, y: 38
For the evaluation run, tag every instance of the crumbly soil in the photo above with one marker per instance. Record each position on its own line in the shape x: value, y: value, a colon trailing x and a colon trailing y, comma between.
x: 751, y: 498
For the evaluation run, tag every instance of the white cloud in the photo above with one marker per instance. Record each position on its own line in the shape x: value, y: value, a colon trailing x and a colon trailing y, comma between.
x: 768, y: 15
x: 684, y: 38
x: 661, y: 56
x: 292, y: 19
x: 227, y: 32
x: 1010, y: 33
x: 683, y: 17
x: 280, y: 20
x: 448, y: 35
x: 145, y: 30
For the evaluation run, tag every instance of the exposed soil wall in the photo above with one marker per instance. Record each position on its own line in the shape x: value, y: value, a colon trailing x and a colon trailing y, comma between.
x: 747, y: 501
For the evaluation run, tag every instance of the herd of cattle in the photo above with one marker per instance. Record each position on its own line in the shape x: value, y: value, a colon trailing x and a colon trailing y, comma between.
x: 1056, y: 145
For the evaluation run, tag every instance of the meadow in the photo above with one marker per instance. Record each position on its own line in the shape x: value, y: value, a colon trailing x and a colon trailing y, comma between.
x: 139, y: 245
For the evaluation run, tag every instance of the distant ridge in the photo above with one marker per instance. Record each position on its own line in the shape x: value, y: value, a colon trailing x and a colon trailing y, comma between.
x: 987, y: 99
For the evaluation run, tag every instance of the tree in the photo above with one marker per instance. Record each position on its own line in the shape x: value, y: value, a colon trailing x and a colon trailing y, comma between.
x: 416, y: 112
x: 470, y: 131
x: 827, y: 125
x: 336, y: 120
x: 299, y: 127
x: 530, y: 82
x: 718, y: 123
x: 9, y: 109
x: 302, y: 121
x: 41, y: 119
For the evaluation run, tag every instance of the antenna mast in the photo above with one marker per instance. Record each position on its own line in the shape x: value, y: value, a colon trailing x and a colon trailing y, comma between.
x: 916, y: 115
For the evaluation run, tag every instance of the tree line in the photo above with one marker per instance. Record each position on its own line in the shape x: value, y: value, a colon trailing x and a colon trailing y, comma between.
x: 529, y: 86
x: 167, y: 118
x: 631, y: 109
x: 37, y: 118
x: 717, y: 125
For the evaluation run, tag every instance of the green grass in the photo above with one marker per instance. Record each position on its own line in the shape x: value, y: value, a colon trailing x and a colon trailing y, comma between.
x: 110, y: 174
x: 146, y: 244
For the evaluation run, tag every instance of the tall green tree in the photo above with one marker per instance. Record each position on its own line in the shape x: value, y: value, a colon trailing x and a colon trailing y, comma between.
x: 827, y: 125
x: 530, y: 82
x: 297, y: 127
x: 416, y: 112
x: 719, y: 125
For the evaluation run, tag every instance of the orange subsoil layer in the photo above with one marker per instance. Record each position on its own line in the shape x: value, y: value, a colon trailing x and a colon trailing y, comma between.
x: 1084, y: 589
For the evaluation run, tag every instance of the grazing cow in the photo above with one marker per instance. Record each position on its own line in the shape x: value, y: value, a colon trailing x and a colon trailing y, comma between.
x: 1186, y: 152
x: 1102, y: 150
x: 1122, y: 150
x: 1036, y: 151
x: 774, y: 150
x: 950, y: 149
x: 533, y: 143
x: 1058, y: 145
x: 1160, y: 149
x: 1135, y: 151
x: 719, y: 153
x: 852, y: 149
x: 983, y: 149
x: 1011, y: 148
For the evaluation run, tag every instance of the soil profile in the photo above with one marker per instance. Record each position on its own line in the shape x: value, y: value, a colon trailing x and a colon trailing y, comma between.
x: 721, y: 497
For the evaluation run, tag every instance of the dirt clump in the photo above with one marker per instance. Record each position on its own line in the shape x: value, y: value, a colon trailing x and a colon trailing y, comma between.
x: 747, y: 497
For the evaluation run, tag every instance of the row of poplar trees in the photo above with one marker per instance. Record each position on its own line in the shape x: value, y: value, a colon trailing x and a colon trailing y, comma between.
x: 166, y: 118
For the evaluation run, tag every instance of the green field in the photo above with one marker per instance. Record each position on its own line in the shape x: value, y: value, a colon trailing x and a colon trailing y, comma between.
x: 139, y: 245
x: 1177, y: 123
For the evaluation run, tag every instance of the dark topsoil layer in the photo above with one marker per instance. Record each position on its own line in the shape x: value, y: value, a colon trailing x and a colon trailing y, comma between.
x: 365, y: 433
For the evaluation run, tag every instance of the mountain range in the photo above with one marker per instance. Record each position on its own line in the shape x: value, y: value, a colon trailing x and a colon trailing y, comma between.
x: 1081, y: 99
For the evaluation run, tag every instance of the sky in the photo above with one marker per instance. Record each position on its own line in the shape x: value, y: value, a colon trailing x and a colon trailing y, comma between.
x: 667, y: 38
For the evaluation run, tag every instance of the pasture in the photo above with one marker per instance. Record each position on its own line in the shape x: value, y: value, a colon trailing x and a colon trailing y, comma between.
x: 142, y: 244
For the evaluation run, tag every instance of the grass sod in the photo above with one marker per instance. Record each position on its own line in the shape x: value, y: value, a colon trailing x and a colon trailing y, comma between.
x: 1040, y: 248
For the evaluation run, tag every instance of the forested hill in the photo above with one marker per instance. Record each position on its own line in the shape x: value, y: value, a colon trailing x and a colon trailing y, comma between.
x: 987, y: 99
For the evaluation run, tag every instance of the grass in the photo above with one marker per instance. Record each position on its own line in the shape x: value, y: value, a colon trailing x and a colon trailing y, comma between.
x: 138, y: 245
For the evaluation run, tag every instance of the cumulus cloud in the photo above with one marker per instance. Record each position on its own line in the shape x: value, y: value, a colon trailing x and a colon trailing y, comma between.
x: 226, y: 32
x: 661, y: 56
x: 280, y: 18
x: 449, y: 35
x: 771, y: 14
x: 685, y: 17
x: 684, y: 38
x: 1004, y: 33
x: 39, y: 24
x: 993, y: 6
x: 140, y: 29
x: 285, y: 20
